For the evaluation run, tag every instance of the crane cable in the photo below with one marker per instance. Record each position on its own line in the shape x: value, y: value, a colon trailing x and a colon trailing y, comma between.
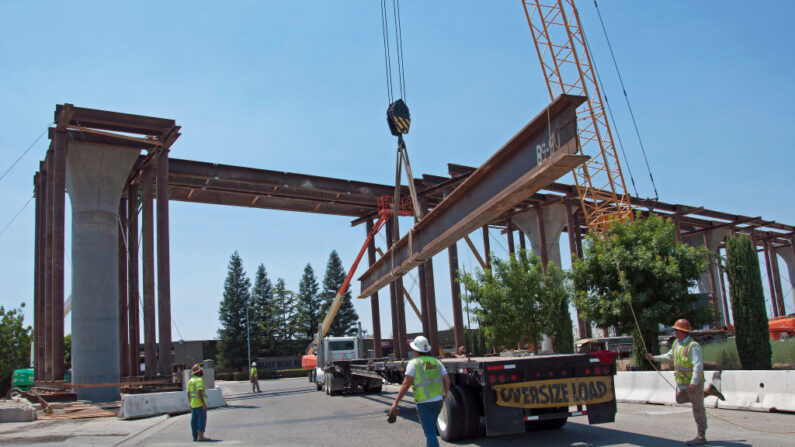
x: 401, y: 74
x: 622, y: 279
x: 626, y: 98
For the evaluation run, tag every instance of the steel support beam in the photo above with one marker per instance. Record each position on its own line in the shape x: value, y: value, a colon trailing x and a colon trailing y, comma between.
x: 124, y: 342
x: 132, y: 282
x: 486, y: 247
x: 375, y: 308
x: 455, y: 289
x: 523, y: 166
x: 148, y: 260
x: 48, y: 272
x: 38, y: 284
x: 58, y: 255
x: 163, y: 271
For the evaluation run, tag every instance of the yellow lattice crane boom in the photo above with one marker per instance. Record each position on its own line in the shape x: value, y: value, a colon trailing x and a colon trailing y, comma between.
x: 566, y: 62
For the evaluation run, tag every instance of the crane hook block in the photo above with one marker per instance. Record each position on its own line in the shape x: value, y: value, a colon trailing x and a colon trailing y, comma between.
x: 398, y: 118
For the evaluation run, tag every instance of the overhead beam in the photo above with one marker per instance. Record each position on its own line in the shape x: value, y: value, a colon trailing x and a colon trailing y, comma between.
x: 543, y: 151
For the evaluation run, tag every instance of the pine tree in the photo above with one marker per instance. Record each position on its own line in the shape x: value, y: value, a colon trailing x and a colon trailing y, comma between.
x: 263, y: 313
x: 748, y: 303
x: 343, y: 323
x: 308, y: 305
x: 284, y: 302
x: 232, y: 345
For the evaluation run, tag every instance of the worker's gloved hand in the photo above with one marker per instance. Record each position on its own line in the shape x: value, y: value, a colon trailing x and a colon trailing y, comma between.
x: 392, y: 415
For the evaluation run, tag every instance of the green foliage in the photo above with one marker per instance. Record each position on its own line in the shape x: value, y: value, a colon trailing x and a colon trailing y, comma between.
x: 67, y: 351
x: 343, y: 323
x: 308, y: 305
x: 748, y: 303
x: 557, y: 292
x: 284, y: 301
x: 784, y: 352
x: 263, y: 314
x: 232, y: 345
x: 515, y: 298
x: 15, y: 341
x: 723, y: 354
x: 643, y: 262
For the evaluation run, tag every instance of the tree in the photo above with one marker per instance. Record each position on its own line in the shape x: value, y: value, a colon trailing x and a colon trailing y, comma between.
x: 748, y: 303
x: 263, y: 313
x: 15, y: 341
x: 556, y: 292
x: 284, y: 301
x: 640, y: 263
x: 308, y: 305
x: 67, y: 351
x: 343, y: 323
x: 232, y: 345
x: 516, y: 298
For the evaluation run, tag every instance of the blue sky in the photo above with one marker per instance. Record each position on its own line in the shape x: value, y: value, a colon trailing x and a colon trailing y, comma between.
x: 300, y: 87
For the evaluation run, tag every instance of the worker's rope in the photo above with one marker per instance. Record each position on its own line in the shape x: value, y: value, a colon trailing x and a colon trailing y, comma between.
x: 623, y: 281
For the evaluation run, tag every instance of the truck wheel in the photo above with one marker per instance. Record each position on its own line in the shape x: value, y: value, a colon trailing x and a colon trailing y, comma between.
x: 319, y: 386
x: 450, y: 422
x: 327, y: 381
x: 469, y: 399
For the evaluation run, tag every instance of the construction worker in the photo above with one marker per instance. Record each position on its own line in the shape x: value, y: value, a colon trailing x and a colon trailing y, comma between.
x: 252, y: 376
x: 430, y: 388
x: 198, y: 403
x: 689, y: 375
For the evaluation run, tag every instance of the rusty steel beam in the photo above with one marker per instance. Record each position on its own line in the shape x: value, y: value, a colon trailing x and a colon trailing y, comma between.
x: 134, y: 339
x: 38, y: 284
x: 163, y: 268
x: 148, y: 267
x: 115, y: 121
x: 48, y: 269
x: 523, y: 166
x: 124, y: 345
x: 375, y: 308
x: 58, y: 255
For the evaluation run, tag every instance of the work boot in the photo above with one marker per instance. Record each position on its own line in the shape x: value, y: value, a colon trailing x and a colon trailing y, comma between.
x: 712, y: 391
x: 202, y: 438
x: 698, y: 440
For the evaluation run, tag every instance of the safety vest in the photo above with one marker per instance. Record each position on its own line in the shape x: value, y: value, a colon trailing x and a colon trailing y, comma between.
x: 427, y: 379
x: 683, y: 373
x: 196, y: 386
x: 253, y: 372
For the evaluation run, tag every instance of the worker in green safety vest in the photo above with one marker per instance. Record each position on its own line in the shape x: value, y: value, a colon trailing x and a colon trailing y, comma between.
x: 428, y: 379
x: 253, y: 377
x: 689, y: 375
x: 198, y: 403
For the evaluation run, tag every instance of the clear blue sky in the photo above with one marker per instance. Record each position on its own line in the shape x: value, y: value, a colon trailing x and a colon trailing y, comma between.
x: 300, y: 87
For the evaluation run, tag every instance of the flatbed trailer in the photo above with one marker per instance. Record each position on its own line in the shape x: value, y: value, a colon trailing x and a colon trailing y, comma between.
x: 512, y: 394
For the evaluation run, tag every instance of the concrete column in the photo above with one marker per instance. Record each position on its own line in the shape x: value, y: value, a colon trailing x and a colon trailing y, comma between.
x: 455, y: 289
x: 38, y: 308
x: 133, y: 319
x: 48, y: 272
x: 788, y: 255
x: 58, y: 207
x: 163, y: 269
x: 486, y: 245
x: 707, y: 281
x: 124, y: 351
x: 95, y: 176
x: 148, y: 260
x: 375, y: 309
x: 544, y: 229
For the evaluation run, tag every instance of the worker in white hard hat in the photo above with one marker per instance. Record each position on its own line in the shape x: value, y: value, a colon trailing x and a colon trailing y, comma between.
x: 428, y: 379
x: 253, y: 377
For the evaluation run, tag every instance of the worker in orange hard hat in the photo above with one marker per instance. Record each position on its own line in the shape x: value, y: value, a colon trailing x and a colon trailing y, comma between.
x: 689, y: 375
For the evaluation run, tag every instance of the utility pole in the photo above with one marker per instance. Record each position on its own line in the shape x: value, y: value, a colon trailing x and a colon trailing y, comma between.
x: 248, y: 332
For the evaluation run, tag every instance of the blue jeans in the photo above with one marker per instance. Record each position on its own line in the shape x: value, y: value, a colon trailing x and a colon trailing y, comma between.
x: 198, y: 420
x: 428, y: 412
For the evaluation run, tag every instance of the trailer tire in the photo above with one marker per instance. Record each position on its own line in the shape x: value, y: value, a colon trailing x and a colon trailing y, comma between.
x: 471, y: 410
x: 450, y: 422
x: 319, y: 386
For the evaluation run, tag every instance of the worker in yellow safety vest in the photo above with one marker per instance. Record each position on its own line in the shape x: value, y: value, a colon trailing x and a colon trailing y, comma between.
x: 253, y: 377
x: 198, y: 403
x: 428, y: 379
x: 689, y: 375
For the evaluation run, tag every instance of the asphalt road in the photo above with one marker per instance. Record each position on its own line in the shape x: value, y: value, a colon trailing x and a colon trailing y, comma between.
x: 290, y: 412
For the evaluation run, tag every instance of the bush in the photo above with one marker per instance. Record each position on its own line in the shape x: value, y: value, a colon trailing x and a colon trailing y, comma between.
x: 724, y: 354
x: 784, y: 352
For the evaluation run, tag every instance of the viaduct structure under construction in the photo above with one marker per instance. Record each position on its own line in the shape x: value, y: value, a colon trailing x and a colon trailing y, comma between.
x: 111, y: 164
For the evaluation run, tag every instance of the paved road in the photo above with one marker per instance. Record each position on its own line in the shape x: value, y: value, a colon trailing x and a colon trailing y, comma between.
x: 290, y: 412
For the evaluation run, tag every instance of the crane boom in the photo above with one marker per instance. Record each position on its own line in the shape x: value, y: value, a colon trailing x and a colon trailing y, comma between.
x: 568, y: 69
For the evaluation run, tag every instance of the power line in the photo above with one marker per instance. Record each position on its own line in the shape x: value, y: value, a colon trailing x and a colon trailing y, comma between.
x: 25, y: 152
x: 16, y: 215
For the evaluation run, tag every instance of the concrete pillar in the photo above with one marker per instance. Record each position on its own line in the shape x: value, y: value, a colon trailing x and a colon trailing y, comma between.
x: 163, y: 269
x: 58, y: 255
x: 455, y: 289
x: 95, y: 176
x: 375, y: 309
x: 788, y: 255
x: 707, y: 282
x: 48, y: 271
x: 38, y: 293
x: 543, y: 228
x: 133, y: 319
x: 124, y: 351
x: 148, y: 261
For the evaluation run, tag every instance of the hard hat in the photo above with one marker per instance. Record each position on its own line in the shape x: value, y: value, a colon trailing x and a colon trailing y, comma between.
x: 682, y: 325
x: 196, y: 369
x: 253, y: 363
x: 420, y: 344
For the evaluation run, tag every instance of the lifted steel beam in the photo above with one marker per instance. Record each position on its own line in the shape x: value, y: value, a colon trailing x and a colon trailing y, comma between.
x: 544, y: 150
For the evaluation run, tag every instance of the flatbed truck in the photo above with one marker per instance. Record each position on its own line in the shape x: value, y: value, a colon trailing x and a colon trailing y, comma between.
x: 511, y: 394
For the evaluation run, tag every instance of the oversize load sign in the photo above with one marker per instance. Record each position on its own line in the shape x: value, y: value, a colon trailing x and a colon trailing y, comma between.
x: 555, y: 393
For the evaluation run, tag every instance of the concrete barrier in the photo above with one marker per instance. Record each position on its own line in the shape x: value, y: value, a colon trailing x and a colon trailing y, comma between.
x: 17, y: 412
x: 173, y: 402
x: 759, y: 390
x: 743, y: 390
